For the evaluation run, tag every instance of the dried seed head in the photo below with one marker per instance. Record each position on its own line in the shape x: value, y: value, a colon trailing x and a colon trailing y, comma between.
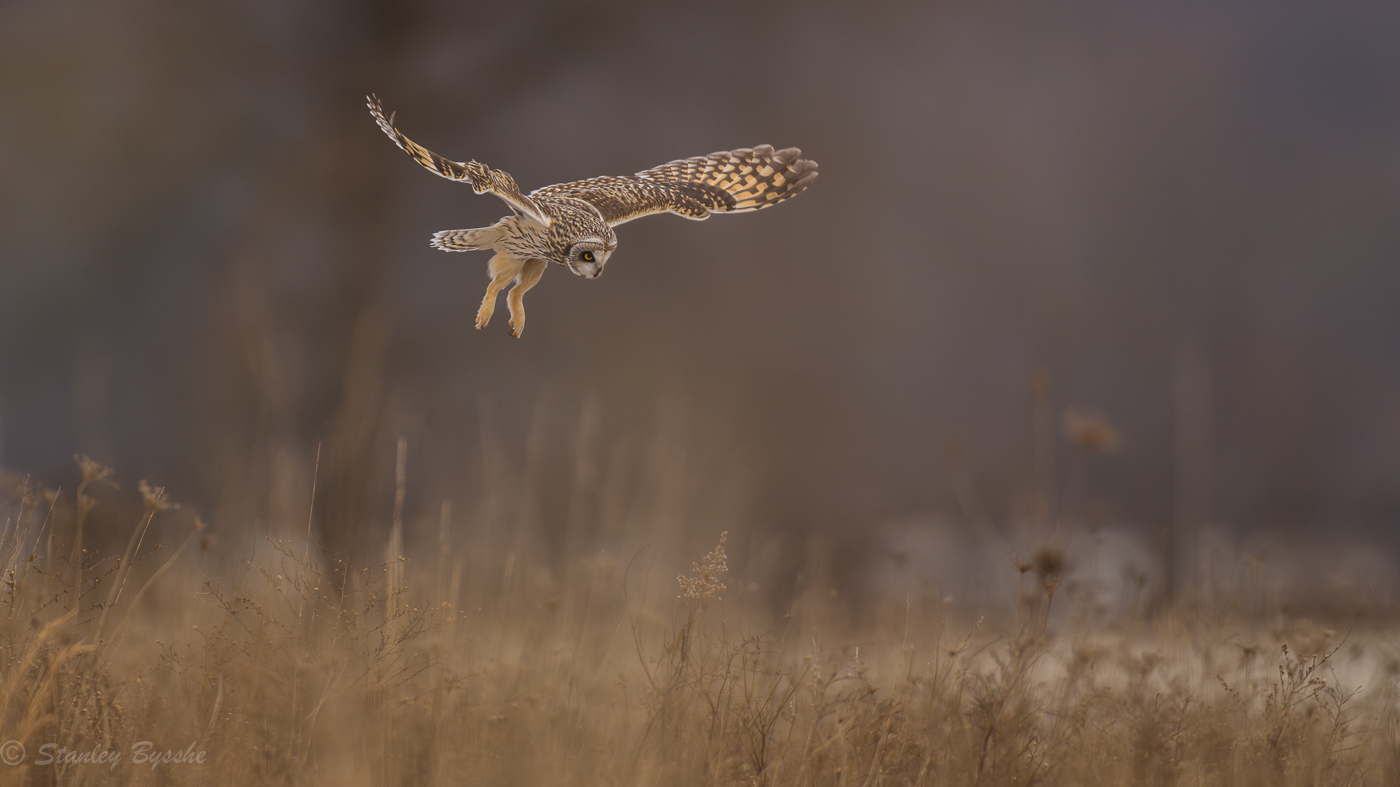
x: 92, y: 471
x: 1049, y: 562
x: 704, y: 582
x: 155, y: 497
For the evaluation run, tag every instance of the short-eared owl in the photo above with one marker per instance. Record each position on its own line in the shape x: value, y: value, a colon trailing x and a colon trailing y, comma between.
x: 572, y: 223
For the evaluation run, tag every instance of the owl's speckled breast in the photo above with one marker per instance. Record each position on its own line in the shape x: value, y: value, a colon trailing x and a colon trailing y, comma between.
x: 571, y: 220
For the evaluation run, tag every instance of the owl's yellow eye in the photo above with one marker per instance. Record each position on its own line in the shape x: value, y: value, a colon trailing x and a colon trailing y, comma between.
x: 587, y: 256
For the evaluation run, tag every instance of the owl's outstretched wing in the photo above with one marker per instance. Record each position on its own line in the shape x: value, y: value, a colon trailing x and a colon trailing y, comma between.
x: 731, y: 181
x: 482, y: 177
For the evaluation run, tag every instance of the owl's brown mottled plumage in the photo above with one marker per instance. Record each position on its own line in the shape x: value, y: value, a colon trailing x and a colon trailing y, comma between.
x: 572, y: 223
x: 731, y: 181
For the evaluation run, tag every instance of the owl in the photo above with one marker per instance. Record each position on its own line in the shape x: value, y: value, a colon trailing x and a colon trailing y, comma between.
x: 572, y: 224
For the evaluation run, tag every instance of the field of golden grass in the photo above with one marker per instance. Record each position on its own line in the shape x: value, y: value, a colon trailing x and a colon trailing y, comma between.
x: 478, y: 665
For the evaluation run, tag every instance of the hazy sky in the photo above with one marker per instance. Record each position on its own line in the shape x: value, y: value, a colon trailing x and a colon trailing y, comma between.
x: 210, y: 254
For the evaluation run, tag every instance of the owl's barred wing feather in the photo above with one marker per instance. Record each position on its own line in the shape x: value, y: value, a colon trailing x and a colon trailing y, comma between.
x: 621, y: 199
x: 741, y: 180
x: 731, y: 181
x: 482, y: 178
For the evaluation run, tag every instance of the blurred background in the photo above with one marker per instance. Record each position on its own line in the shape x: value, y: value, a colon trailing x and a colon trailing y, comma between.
x: 1176, y: 218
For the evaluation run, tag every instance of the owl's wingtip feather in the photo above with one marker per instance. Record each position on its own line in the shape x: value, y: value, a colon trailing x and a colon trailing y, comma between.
x: 786, y: 155
x: 806, y: 171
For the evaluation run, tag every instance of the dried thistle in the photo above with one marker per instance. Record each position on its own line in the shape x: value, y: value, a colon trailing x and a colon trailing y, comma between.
x: 1048, y: 561
x: 1050, y: 564
x: 704, y: 583
x: 92, y: 470
x: 155, y: 497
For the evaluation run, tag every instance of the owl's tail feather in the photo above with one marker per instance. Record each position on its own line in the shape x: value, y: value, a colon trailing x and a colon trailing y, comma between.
x: 465, y: 240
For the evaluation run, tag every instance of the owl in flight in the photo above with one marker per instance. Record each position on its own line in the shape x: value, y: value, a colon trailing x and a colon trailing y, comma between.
x: 572, y: 223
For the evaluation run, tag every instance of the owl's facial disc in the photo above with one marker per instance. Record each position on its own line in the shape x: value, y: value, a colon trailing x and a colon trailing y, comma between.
x: 587, y: 258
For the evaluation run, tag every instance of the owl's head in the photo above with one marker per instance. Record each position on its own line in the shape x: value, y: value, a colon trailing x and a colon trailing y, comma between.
x: 587, y: 257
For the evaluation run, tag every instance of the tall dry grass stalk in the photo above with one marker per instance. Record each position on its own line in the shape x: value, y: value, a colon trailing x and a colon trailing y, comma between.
x: 296, y: 667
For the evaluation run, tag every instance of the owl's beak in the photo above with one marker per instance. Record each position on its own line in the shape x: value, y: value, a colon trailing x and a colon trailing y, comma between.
x: 588, y: 270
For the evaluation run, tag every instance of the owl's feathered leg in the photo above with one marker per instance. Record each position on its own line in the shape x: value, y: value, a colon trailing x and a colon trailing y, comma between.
x: 504, y: 269
x: 529, y: 276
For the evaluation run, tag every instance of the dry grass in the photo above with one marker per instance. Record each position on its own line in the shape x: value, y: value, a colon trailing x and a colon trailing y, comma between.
x: 293, y: 668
